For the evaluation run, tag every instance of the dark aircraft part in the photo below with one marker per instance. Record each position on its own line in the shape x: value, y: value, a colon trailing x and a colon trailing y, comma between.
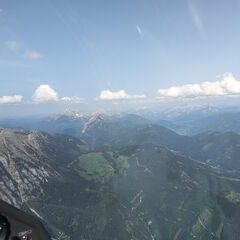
x: 4, y: 228
x: 18, y: 225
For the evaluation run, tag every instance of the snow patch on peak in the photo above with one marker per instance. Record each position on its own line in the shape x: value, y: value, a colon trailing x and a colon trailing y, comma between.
x: 95, y: 118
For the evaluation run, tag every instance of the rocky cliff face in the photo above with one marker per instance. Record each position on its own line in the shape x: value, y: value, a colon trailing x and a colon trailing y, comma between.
x: 28, y: 160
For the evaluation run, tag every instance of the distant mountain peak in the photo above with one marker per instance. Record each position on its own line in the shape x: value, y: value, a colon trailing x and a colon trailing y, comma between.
x: 94, y: 119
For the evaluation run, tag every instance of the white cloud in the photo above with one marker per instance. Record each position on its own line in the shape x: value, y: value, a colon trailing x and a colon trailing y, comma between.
x: 12, y: 45
x: 44, y: 93
x: 118, y: 95
x: 196, y: 18
x: 72, y: 100
x: 33, y: 55
x: 139, y: 29
x: 228, y: 85
x: 10, y: 99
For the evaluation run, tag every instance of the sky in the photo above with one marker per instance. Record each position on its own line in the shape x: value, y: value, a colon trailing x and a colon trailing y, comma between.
x: 76, y: 52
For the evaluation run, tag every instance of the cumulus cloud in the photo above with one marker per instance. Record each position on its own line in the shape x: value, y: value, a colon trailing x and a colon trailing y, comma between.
x: 11, y: 45
x: 11, y: 99
x: 72, y: 99
x: 33, y: 55
x: 118, y: 95
x: 196, y: 18
x: 228, y: 85
x: 44, y: 93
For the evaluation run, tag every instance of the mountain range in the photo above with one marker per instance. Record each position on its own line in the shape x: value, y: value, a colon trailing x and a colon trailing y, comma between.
x: 121, y: 176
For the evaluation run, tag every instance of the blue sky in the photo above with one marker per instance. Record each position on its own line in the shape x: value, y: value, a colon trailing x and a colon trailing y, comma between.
x: 128, y: 49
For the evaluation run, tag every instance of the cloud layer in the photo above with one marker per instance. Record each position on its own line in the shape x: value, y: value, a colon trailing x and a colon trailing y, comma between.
x: 44, y: 93
x: 33, y: 55
x: 228, y: 85
x: 72, y: 100
x: 11, y: 99
x: 118, y: 95
x: 11, y: 45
